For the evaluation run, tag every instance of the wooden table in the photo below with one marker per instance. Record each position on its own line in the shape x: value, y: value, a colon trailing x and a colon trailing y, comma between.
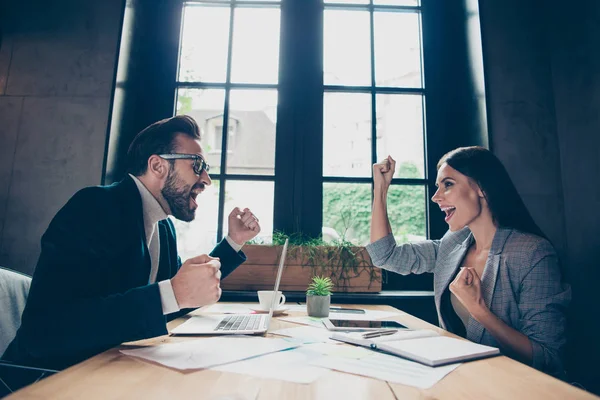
x: 113, y: 375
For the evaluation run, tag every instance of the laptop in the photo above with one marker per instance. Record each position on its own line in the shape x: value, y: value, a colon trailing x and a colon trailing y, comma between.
x: 234, y: 324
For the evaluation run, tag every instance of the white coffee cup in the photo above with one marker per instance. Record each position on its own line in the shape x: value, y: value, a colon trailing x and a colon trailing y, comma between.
x: 265, y: 298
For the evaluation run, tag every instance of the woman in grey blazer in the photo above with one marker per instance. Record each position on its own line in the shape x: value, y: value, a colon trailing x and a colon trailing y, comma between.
x: 496, y: 277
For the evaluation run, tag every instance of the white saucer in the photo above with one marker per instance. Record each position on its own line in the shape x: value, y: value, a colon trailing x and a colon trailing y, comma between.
x: 279, y: 311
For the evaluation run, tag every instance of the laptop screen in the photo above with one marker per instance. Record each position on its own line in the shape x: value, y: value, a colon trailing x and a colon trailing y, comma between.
x: 275, y: 300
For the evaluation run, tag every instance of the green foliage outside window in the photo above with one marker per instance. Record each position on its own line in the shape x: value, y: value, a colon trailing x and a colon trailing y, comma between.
x: 347, y: 208
x: 185, y: 103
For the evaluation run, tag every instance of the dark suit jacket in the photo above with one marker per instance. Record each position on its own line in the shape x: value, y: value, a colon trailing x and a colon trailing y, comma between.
x: 90, y: 289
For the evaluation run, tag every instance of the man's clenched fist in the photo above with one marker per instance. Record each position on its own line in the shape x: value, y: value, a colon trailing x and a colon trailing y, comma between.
x: 198, y: 282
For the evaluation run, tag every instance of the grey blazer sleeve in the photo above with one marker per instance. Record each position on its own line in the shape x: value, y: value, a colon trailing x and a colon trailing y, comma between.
x: 543, y: 300
x: 409, y: 258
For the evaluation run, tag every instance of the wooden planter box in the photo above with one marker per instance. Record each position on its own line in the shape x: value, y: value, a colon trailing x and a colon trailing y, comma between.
x: 260, y: 269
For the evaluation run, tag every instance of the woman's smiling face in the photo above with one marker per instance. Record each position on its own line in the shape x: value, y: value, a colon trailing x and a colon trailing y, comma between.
x: 458, y: 197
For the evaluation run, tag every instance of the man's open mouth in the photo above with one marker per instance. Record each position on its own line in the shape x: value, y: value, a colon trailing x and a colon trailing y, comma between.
x: 193, y: 195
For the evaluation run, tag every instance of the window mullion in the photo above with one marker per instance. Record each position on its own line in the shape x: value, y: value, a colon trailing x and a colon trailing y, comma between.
x: 224, y: 129
x: 373, y: 92
x: 299, y: 143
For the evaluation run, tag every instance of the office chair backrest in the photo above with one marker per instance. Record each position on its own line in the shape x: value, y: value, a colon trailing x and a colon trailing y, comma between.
x: 14, y: 288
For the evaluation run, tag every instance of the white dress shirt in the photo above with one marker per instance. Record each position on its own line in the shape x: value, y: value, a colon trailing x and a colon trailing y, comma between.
x: 153, y: 212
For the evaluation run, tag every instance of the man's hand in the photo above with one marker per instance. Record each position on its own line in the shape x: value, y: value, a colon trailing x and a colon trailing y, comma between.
x: 467, y: 287
x: 243, y: 225
x: 383, y: 172
x: 197, y: 283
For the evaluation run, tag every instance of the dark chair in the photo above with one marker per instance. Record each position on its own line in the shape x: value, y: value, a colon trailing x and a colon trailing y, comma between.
x: 14, y: 288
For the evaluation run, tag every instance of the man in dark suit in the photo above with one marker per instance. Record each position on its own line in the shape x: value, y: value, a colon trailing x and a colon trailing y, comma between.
x: 109, y: 271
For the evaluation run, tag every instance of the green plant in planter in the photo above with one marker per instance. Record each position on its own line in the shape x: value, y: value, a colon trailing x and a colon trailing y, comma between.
x: 318, y: 296
x: 320, y: 286
x: 341, y: 260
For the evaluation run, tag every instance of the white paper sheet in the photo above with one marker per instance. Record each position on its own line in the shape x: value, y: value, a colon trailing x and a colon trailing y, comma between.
x: 296, y: 307
x: 388, y: 368
x: 328, y: 349
x: 308, y: 334
x: 229, y: 308
x: 289, y: 365
x: 310, y: 321
x: 209, y: 352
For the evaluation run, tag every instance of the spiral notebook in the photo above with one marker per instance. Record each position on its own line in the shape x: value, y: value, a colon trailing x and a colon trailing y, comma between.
x: 423, y: 346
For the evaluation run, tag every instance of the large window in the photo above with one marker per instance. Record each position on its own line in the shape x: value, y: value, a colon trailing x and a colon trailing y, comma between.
x: 368, y: 59
x: 373, y: 107
x: 297, y: 99
x: 227, y: 80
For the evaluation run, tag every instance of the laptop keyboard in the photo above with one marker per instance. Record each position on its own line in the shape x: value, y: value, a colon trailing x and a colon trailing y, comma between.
x: 239, y: 323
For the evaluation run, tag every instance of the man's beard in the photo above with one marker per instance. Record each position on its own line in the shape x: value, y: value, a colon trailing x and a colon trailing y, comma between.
x: 177, y: 194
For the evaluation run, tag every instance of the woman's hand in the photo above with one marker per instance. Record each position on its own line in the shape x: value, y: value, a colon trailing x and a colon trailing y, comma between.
x: 383, y: 172
x: 467, y: 288
x: 382, y: 178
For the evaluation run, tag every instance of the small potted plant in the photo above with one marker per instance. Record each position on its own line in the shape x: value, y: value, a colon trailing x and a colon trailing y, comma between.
x: 318, y: 296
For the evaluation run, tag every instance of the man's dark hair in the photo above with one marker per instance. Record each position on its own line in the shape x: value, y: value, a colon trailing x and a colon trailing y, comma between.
x: 158, y: 138
x: 487, y: 171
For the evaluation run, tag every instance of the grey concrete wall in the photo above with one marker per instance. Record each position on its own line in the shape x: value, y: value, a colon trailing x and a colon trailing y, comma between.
x: 543, y: 89
x: 57, y: 64
x: 521, y: 109
x: 574, y: 36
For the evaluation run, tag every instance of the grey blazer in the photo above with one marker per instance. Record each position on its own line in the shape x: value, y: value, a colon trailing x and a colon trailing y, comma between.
x: 521, y: 285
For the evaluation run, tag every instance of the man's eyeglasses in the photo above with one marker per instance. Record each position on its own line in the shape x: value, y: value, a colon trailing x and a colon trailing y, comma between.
x: 199, y: 162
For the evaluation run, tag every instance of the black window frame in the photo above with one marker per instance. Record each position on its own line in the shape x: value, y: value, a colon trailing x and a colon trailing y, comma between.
x: 373, y: 90
x: 223, y: 176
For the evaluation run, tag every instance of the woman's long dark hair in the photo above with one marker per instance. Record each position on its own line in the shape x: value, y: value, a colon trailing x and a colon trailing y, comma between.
x: 504, y: 202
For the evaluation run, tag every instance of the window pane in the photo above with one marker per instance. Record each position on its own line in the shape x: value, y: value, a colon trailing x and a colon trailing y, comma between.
x: 204, y: 44
x: 397, y: 2
x: 258, y: 197
x: 346, y: 48
x: 255, y: 57
x: 400, y: 133
x: 397, y: 49
x: 347, y: 134
x: 204, y: 105
x: 251, y: 141
x: 406, y: 211
x: 347, y: 212
x: 200, y: 235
